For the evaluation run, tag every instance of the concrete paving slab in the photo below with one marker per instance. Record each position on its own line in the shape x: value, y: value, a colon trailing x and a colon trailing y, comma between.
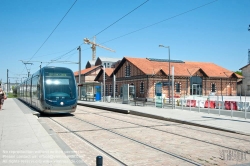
x: 24, y: 141
x: 19, y: 142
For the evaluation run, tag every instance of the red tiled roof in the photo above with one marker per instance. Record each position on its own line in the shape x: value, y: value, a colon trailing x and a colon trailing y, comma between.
x: 84, y: 71
x: 109, y: 71
x: 180, y: 69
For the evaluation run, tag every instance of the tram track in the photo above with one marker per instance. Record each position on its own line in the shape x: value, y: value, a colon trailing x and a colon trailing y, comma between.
x: 137, y: 130
x: 124, y: 136
x: 195, y: 129
x: 152, y: 127
x: 93, y: 145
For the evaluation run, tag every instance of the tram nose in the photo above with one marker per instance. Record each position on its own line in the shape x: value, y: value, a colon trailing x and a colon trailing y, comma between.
x: 73, y: 109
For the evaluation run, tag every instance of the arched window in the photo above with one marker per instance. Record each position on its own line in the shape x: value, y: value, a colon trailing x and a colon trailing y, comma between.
x: 178, y: 87
x: 213, y: 87
x: 142, y: 87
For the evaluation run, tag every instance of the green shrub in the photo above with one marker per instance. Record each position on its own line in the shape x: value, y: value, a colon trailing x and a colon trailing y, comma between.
x: 11, y: 95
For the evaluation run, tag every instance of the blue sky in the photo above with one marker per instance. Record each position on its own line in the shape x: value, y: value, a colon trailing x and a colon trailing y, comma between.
x: 216, y: 33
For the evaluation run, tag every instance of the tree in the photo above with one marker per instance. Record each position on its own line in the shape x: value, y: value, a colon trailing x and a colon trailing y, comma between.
x: 239, y: 72
x: 14, y: 88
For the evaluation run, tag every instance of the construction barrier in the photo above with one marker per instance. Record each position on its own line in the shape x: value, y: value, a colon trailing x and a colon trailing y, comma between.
x: 209, y: 104
x: 200, y: 103
x: 219, y: 105
x: 191, y: 103
x: 230, y: 105
x: 183, y: 102
x: 242, y: 106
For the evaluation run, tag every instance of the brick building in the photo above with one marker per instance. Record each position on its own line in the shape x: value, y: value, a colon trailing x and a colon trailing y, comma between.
x: 190, y: 78
x: 88, y: 74
x: 245, y: 87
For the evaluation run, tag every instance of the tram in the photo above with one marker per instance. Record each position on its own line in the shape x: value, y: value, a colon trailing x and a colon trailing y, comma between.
x: 50, y: 90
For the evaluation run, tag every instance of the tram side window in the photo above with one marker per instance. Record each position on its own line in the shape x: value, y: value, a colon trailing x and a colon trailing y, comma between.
x: 34, y: 86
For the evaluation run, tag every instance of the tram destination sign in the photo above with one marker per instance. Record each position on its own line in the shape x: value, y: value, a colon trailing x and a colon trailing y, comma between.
x: 58, y: 74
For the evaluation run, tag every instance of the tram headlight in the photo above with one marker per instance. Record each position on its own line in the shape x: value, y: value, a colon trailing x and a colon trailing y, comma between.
x: 48, y: 82
x: 61, y: 103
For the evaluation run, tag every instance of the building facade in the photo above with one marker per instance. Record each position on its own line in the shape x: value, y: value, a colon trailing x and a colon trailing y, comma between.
x: 107, y: 62
x: 190, y: 78
x: 245, y: 87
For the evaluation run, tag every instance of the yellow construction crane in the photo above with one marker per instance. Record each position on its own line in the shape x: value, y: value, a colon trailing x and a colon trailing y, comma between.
x: 93, y: 47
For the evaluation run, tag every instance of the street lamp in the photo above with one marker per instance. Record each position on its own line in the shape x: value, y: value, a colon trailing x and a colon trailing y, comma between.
x: 79, y: 73
x: 168, y: 70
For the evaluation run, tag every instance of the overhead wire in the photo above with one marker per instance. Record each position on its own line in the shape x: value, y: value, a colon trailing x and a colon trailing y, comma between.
x: 53, y: 30
x: 63, y: 55
x: 121, y: 18
x: 104, y: 28
x: 188, y: 11
x: 172, y: 17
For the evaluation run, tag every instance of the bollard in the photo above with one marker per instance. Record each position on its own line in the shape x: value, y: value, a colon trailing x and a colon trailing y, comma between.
x: 219, y: 107
x: 245, y: 110
x: 199, y: 105
x: 175, y: 102
x: 208, y: 107
x: 99, y: 161
x: 190, y: 105
x: 231, y: 109
x: 182, y: 104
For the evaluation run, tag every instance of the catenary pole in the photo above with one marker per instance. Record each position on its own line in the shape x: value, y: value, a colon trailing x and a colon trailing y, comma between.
x: 79, y: 73
x: 173, y: 87
x: 7, y: 80
x: 104, y: 88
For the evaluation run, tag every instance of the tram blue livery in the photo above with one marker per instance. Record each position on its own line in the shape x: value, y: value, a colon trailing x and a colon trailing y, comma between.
x: 50, y: 90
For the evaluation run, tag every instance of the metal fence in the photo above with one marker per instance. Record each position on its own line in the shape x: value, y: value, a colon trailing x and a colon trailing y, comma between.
x: 232, y: 106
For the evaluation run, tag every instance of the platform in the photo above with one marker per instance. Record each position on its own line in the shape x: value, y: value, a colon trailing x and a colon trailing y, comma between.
x: 25, y: 141
x: 224, y: 123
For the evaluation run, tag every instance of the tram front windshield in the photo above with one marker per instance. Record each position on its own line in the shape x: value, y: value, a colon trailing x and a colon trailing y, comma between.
x: 59, y: 84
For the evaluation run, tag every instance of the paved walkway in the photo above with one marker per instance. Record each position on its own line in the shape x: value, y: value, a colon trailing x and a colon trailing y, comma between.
x: 24, y: 141
x: 234, y: 124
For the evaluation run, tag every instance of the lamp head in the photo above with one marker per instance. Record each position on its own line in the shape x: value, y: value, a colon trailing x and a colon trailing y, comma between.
x: 164, y: 46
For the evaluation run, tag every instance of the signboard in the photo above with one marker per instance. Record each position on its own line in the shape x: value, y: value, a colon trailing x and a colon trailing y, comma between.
x: 158, y: 95
x: 125, y: 93
x: 167, y: 83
